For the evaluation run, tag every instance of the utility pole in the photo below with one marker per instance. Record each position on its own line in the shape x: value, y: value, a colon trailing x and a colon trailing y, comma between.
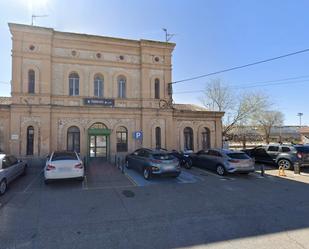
x: 35, y: 16
x: 300, y: 114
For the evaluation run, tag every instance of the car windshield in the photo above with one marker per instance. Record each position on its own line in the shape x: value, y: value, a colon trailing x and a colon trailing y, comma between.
x: 64, y: 156
x: 237, y: 155
x: 162, y: 156
x: 304, y: 149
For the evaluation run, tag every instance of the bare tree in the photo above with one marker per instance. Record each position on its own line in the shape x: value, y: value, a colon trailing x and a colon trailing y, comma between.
x: 268, y: 119
x: 239, y: 107
x: 218, y: 96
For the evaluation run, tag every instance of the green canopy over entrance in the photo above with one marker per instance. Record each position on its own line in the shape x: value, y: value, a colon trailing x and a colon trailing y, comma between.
x: 98, y: 142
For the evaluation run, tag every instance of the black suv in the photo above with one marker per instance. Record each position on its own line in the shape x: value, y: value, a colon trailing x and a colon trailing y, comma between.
x: 281, y: 155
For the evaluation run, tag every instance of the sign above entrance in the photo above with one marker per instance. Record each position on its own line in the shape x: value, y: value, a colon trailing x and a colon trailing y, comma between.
x: 95, y: 101
x: 138, y: 135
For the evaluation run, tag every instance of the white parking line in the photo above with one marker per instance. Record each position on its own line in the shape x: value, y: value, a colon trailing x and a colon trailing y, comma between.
x: 108, y: 187
x: 34, y: 179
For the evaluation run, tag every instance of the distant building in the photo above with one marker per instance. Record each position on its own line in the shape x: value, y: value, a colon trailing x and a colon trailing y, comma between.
x: 255, y: 135
x: 304, y: 132
x: 96, y: 95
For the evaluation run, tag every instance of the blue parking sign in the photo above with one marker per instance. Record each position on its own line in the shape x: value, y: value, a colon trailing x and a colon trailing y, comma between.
x: 138, y: 135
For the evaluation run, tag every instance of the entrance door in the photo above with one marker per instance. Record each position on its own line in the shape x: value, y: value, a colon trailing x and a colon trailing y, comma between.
x: 98, y: 146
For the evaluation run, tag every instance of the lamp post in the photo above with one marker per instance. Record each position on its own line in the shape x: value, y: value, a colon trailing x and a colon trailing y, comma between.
x: 300, y: 114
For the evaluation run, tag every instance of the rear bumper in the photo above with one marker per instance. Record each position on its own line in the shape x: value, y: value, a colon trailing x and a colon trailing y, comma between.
x: 168, y: 173
x: 49, y: 175
x: 241, y: 170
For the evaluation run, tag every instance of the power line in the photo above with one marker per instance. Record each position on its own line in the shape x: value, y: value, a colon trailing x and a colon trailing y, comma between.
x: 258, y: 84
x: 4, y: 82
x: 243, y: 66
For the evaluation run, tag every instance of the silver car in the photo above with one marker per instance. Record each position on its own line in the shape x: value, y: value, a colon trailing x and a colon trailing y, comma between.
x: 224, y: 161
x: 10, y: 168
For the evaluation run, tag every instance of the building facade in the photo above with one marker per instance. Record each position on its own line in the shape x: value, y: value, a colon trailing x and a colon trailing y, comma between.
x: 97, y: 95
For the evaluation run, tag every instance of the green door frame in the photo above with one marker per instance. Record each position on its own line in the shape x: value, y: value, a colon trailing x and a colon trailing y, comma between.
x: 99, y: 132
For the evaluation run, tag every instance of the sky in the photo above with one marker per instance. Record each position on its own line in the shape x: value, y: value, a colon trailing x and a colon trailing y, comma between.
x: 209, y: 36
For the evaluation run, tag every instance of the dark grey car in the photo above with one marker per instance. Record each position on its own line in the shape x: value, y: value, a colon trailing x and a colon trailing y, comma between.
x: 10, y: 168
x: 223, y: 161
x: 280, y: 154
x: 153, y: 162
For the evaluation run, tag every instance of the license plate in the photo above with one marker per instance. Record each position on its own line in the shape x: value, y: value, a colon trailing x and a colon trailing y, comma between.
x: 64, y: 169
x: 169, y: 167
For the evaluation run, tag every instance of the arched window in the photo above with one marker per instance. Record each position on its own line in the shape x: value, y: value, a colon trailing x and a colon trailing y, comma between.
x: 158, y: 137
x: 157, y: 88
x: 122, y: 87
x: 73, y: 84
x: 98, y: 86
x: 73, y: 139
x: 206, y: 139
x: 188, y: 138
x: 31, y: 81
x: 30, y: 139
x: 122, y: 139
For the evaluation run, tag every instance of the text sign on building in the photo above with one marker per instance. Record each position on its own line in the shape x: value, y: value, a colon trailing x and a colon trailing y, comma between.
x: 138, y: 135
x: 14, y: 136
x: 103, y: 102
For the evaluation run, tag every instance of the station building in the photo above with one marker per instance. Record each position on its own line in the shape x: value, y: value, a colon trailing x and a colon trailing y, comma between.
x: 97, y: 95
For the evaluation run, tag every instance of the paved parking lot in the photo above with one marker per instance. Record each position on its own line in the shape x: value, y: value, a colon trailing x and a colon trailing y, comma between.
x: 109, y: 210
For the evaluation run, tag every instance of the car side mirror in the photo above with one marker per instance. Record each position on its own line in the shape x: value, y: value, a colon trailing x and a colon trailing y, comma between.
x: 19, y: 161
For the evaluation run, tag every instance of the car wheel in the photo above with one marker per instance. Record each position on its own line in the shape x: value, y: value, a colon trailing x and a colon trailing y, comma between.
x: 188, y: 164
x: 127, y: 164
x: 24, y: 171
x: 220, y: 170
x: 3, y: 186
x: 286, y: 164
x: 146, y: 173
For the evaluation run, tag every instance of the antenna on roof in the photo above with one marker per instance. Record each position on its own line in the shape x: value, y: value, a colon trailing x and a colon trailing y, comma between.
x: 35, y: 16
x: 168, y: 36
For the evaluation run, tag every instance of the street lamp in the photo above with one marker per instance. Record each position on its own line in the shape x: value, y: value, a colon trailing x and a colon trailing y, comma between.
x: 300, y: 114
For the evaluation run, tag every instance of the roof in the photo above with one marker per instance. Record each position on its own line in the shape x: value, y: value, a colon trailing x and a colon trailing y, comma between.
x: 5, y: 100
x: 189, y: 107
x: 72, y: 34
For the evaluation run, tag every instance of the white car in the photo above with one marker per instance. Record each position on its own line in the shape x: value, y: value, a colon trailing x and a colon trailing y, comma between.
x: 10, y: 168
x: 62, y: 165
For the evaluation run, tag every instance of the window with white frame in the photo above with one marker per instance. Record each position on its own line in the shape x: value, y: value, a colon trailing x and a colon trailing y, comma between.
x: 98, y: 86
x: 73, y: 84
x: 122, y: 87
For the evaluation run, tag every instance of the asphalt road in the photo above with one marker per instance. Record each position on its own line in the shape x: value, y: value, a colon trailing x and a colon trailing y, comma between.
x: 109, y: 210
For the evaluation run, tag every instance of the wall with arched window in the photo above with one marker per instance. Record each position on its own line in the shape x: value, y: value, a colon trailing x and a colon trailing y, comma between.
x: 188, y: 138
x: 158, y: 137
x: 73, y: 139
x: 122, y: 86
x: 122, y: 139
x: 31, y: 81
x: 205, y: 139
x: 157, y: 88
x: 74, y: 84
x: 30, y: 141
